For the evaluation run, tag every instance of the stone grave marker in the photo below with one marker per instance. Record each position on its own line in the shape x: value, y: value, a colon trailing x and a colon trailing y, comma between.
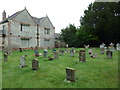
x: 22, y: 61
x: 90, y: 51
x: 36, y: 53
x: 82, y: 56
x: 5, y: 56
x: 94, y: 55
x: 109, y: 54
x: 45, y: 53
x: 70, y: 74
x: 35, y: 64
x: 72, y: 52
x: 111, y: 48
x: 55, y: 54
x: 86, y: 46
x: 102, y: 48
x: 118, y: 46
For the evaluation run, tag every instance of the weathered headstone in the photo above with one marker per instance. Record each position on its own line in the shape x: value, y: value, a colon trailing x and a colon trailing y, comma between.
x: 70, y: 74
x: 72, y: 52
x: 5, y: 56
x: 45, y: 52
x: 94, y: 55
x: 82, y: 56
x: 90, y: 51
x: 86, y: 46
x: 61, y: 52
x: 55, y: 54
x: 22, y: 62
x: 35, y: 64
x: 50, y: 58
x: 118, y: 46
x: 109, y: 54
x: 66, y: 45
x: 36, y: 53
x: 111, y: 48
x: 102, y: 48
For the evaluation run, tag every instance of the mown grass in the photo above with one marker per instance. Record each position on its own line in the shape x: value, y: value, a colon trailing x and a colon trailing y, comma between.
x: 99, y: 72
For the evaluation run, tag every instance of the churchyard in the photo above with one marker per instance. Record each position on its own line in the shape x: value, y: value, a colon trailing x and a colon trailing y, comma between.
x: 97, y: 71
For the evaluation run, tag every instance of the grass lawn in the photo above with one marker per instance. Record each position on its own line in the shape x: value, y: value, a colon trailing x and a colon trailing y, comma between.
x: 99, y: 72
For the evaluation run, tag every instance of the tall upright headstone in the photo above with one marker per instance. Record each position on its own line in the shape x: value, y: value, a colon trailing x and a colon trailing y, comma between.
x: 82, y: 56
x: 22, y: 61
x: 5, y: 56
x: 45, y: 52
x: 118, y: 46
x: 70, y: 74
x: 35, y: 64
x: 102, y: 48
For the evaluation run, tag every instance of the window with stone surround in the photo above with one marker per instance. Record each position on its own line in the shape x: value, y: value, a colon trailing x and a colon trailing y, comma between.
x: 46, y: 30
x: 25, y: 27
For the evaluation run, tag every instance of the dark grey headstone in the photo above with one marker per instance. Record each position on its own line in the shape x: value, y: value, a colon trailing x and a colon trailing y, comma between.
x: 35, y: 64
x: 70, y: 74
x: 82, y: 56
x: 109, y: 54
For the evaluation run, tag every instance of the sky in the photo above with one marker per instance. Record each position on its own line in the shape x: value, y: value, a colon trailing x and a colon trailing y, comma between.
x: 60, y: 12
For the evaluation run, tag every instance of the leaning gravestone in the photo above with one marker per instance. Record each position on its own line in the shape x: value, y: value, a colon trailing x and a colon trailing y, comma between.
x: 55, y: 54
x: 22, y: 62
x: 5, y: 56
x: 70, y: 74
x: 82, y: 56
x: 35, y: 64
x: 109, y: 54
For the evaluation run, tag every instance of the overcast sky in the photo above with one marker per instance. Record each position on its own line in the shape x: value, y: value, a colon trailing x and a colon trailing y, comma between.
x: 61, y: 12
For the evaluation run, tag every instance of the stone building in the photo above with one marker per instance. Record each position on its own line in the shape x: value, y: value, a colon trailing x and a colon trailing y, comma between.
x: 21, y: 30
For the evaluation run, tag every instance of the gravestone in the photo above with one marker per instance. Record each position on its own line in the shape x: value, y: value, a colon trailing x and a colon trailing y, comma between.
x: 102, y: 48
x: 22, y: 62
x: 50, y: 58
x: 5, y: 56
x: 86, y: 46
x: 45, y: 52
x: 66, y: 45
x: 36, y: 53
x: 109, y: 54
x: 82, y: 56
x: 118, y: 46
x: 72, y: 52
x: 55, y: 54
x: 70, y: 74
x: 35, y: 64
x: 20, y: 49
x: 94, y: 55
x: 61, y: 52
x: 111, y: 48
x: 90, y: 51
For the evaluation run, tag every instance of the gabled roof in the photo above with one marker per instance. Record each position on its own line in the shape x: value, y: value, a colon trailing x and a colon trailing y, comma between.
x: 38, y: 20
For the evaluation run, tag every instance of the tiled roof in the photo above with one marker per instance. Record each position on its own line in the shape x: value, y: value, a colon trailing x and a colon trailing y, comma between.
x: 38, y: 20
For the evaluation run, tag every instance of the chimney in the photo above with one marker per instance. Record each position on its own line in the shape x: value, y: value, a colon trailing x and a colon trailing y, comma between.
x: 3, y: 15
